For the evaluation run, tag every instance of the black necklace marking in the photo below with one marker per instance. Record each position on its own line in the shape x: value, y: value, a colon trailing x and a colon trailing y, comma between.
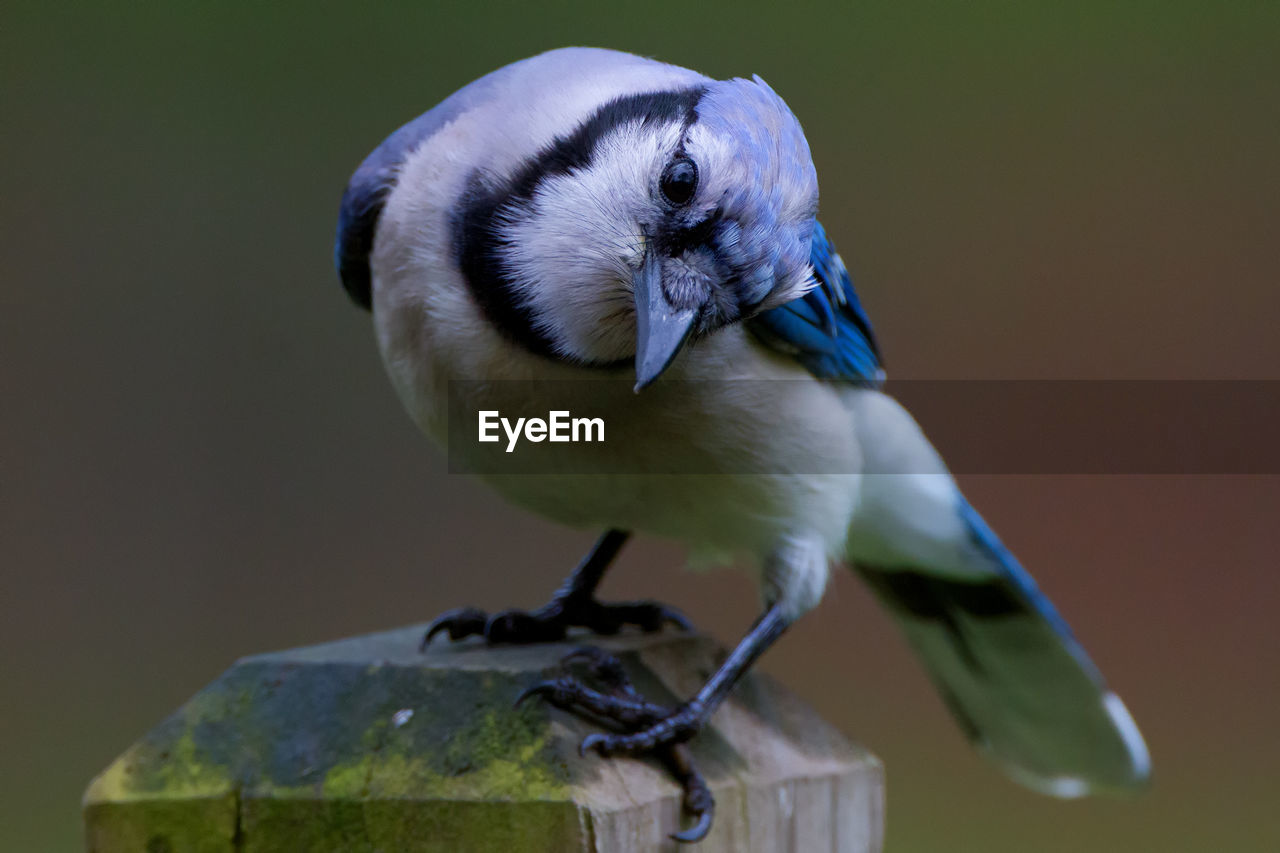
x: 478, y: 244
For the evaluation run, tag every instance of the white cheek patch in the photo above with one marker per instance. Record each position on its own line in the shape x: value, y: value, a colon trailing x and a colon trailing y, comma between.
x: 571, y: 249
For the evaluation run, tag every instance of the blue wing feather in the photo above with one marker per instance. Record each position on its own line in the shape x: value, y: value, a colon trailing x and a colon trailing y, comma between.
x: 826, y: 330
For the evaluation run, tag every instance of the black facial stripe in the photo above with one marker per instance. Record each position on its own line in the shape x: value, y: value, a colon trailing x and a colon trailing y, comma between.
x: 576, y: 150
x: 478, y: 243
x: 478, y: 248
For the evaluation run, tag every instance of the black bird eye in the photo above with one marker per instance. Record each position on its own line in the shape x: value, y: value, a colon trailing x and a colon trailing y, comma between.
x: 679, y: 181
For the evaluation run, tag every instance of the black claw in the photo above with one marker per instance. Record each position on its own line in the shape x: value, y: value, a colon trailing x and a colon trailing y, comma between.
x: 698, y: 831
x: 462, y: 622
x: 597, y: 741
x: 675, y: 617
x: 698, y: 800
x: 589, y: 654
x: 542, y: 688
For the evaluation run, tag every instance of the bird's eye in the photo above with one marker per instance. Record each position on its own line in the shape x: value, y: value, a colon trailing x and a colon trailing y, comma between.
x: 679, y: 181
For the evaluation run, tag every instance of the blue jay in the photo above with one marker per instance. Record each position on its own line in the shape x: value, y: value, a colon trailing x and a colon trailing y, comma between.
x: 588, y: 213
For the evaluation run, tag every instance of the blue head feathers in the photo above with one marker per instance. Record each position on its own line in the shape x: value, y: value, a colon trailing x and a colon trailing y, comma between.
x: 768, y: 188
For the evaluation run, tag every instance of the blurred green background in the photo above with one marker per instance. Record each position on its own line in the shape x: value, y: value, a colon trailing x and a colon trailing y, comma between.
x: 202, y: 457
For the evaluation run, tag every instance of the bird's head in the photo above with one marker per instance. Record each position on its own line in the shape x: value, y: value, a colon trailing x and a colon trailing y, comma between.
x: 660, y: 217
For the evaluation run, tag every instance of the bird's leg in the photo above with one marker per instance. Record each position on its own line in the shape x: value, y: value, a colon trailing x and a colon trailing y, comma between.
x: 793, y: 580
x: 573, y: 605
x: 683, y: 722
x: 607, y: 670
x: 649, y: 727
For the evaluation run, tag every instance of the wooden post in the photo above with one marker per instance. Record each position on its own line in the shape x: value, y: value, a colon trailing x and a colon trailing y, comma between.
x: 367, y: 745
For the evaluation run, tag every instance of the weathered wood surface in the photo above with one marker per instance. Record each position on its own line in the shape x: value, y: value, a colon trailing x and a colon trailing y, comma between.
x: 367, y: 745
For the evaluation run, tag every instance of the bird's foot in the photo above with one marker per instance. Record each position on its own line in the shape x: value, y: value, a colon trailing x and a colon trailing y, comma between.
x: 648, y: 728
x: 552, y: 622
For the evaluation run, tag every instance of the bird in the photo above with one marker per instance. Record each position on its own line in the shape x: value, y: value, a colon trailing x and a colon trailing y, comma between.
x: 592, y: 216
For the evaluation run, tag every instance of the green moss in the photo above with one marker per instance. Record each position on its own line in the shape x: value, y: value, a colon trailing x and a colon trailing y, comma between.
x: 164, y: 765
x: 497, y: 757
x: 275, y: 756
x: 193, y: 825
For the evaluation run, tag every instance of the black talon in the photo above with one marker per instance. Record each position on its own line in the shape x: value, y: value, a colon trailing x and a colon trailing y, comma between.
x: 674, y: 617
x: 698, y: 800
x: 542, y: 688
x: 698, y: 831
x: 593, y: 741
x: 460, y: 622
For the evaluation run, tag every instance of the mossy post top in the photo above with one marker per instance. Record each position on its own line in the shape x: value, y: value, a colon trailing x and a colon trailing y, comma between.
x: 367, y: 745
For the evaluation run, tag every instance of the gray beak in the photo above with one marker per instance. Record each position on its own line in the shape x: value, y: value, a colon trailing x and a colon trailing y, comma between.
x: 661, y: 328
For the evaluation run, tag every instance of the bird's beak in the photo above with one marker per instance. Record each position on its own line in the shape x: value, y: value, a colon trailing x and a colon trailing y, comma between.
x: 661, y: 328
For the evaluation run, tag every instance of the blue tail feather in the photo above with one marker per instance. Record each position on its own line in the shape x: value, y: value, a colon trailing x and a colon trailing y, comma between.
x: 1012, y: 673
